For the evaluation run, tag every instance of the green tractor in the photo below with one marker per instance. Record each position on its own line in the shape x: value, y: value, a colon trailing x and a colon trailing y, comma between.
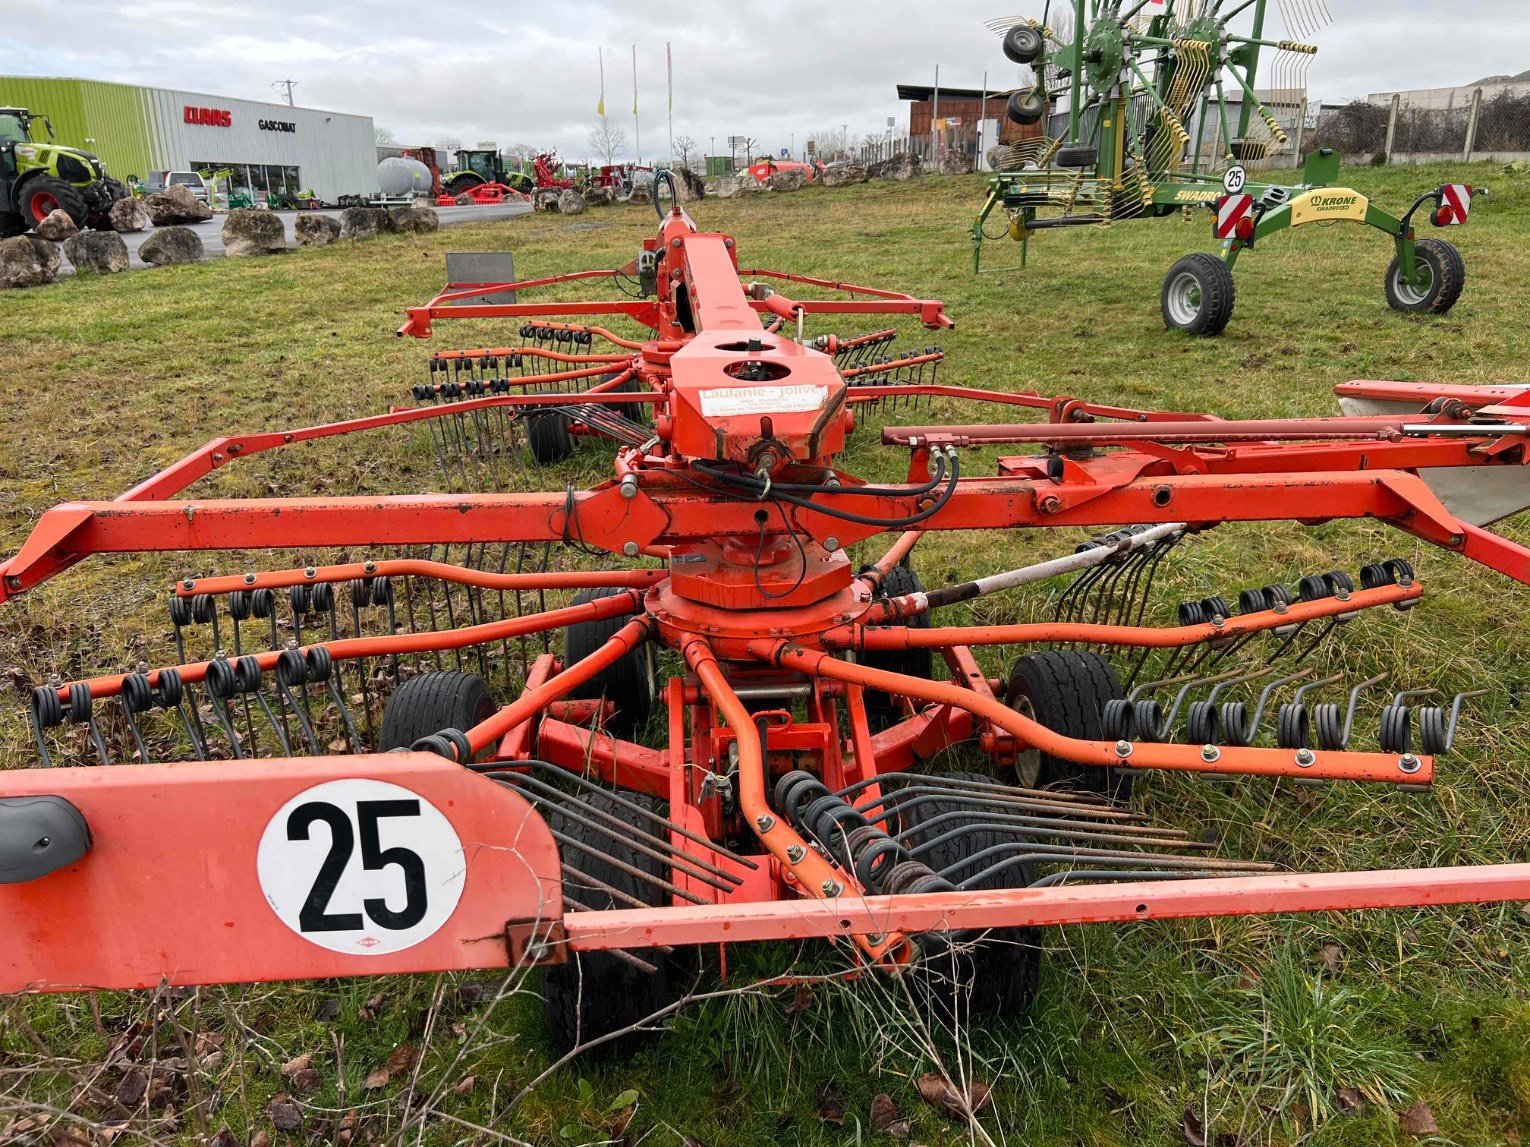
x: 38, y: 178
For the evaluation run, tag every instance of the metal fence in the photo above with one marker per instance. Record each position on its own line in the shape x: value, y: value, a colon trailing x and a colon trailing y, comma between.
x: 962, y: 140
x: 1482, y: 127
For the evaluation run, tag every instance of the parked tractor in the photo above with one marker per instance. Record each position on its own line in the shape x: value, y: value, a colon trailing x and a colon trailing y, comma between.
x: 39, y: 178
x: 480, y: 166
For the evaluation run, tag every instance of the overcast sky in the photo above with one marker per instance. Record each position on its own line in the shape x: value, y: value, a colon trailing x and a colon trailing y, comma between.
x: 512, y: 71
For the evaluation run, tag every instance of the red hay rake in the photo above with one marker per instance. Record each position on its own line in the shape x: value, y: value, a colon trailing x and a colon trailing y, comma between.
x: 733, y: 741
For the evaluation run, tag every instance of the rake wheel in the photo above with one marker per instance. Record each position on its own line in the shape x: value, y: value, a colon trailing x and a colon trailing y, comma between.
x: 597, y: 993
x: 1446, y: 278
x: 1066, y: 690
x: 994, y: 975
x: 630, y: 683
x: 425, y: 705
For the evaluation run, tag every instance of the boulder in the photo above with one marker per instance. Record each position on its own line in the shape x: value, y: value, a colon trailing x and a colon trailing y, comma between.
x: 597, y: 196
x: 463, y: 200
x: 641, y: 193
x: 176, y: 205
x: 571, y: 203
x: 253, y: 231
x: 315, y: 230
x: 545, y: 198
x: 362, y: 222
x: 787, y: 179
x: 57, y: 226
x: 842, y: 175
x: 731, y: 186
x: 900, y: 167
x: 957, y: 163
x: 692, y: 186
x: 171, y: 245
x: 48, y: 252
x: 100, y: 252
x: 129, y: 214
x: 20, y: 264
x: 416, y: 220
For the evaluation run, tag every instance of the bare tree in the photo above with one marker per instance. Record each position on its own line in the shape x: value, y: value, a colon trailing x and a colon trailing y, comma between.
x: 830, y: 143
x: 386, y: 138
x: 685, y: 147
x: 607, y: 138
x: 521, y: 152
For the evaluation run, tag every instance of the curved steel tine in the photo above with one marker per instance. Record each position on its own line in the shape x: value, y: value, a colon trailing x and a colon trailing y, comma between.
x: 1354, y: 700
x: 1242, y: 678
x: 1455, y: 714
x: 1179, y: 698
x: 1409, y: 694
x: 1264, y: 696
x: 1146, y: 686
x: 1301, y: 691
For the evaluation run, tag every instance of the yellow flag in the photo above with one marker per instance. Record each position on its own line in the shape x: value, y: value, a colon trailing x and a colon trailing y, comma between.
x: 600, y: 108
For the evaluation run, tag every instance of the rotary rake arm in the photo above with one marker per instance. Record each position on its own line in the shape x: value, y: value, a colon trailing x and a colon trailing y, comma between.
x: 735, y: 738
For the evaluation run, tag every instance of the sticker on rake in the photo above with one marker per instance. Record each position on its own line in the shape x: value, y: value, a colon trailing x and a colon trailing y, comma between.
x: 361, y: 866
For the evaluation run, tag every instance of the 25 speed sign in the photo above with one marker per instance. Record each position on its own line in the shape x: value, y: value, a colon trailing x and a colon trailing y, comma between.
x: 361, y: 866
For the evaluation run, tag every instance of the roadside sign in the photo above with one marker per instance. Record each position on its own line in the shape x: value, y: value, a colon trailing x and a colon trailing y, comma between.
x: 784, y: 153
x: 1234, y: 178
x: 1233, y: 210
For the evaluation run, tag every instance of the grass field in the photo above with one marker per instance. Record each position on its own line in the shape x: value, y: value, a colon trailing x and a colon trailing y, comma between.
x: 1316, y: 1030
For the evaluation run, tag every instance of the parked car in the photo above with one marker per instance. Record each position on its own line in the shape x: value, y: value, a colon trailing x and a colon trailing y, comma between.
x: 159, y: 180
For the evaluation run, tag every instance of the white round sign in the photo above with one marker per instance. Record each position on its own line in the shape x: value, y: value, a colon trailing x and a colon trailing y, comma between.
x: 1233, y: 179
x: 361, y: 866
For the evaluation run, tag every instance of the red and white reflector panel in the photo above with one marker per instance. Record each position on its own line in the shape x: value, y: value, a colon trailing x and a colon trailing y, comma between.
x: 1232, y: 210
x: 1455, y: 204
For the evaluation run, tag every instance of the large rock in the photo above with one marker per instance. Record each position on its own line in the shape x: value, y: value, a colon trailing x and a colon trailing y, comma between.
x: 692, y: 186
x: 48, y: 252
x: 731, y: 186
x: 20, y: 264
x: 57, y: 226
x: 417, y: 219
x: 641, y: 193
x: 597, y: 196
x: 363, y: 222
x: 101, y: 252
x: 957, y: 163
x: 900, y: 167
x: 171, y: 245
x: 129, y: 214
x: 842, y: 175
x: 253, y: 231
x: 545, y: 199
x: 571, y: 203
x: 787, y: 179
x: 315, y: 230
x: 176, y: 205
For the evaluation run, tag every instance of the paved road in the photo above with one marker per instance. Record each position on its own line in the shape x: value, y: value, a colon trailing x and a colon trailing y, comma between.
x: 212, y: 242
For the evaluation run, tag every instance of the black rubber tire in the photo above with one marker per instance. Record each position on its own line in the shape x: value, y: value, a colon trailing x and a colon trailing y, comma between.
x: 994, y: 976
x: 1026, y: 106
x: 1447, y: 278
x: 882, y: 709
x: 1023, y: 43
x: 424, y: 705
x: 1066, y: 691
x: 631, y: 682
x: 69, y: 197
x: 463, y: 181
x: 597, y: 993
x: 636, y: 411
x: 1211, y: 294
x: 1081, y: 155
x: 547, y: 436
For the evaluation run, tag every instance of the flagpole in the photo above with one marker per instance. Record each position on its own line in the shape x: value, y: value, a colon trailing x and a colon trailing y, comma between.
x: 637, y: 131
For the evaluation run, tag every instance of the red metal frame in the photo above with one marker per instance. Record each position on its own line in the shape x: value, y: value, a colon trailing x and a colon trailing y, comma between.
x: 750, y: 598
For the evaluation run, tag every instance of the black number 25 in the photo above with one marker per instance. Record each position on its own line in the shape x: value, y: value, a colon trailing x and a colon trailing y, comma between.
x: 315, y: 916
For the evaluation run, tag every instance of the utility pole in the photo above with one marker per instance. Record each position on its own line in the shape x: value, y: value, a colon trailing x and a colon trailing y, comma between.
x: 935, y: 112
x: 285, y: 87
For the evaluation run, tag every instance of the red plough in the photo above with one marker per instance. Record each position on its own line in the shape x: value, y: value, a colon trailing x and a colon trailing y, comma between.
x: 384, y: 763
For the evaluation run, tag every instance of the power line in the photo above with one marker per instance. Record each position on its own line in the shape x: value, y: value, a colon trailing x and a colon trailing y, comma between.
x: 285, y: 87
